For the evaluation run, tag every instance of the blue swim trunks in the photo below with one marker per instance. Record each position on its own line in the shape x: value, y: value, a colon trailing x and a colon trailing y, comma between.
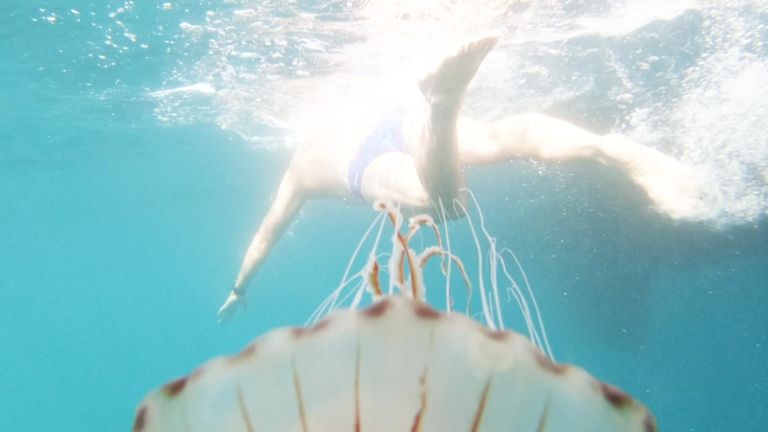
x: 386, y: 137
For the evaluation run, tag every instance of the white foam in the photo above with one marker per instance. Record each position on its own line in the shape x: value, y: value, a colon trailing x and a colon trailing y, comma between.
x: 718, y: 125
x: 198, y: 88
x: 191, y: 28
x: 245, y: 13
x: 722, y: 128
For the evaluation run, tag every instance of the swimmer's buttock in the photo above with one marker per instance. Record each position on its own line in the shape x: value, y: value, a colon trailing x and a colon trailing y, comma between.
x: 386, y: 137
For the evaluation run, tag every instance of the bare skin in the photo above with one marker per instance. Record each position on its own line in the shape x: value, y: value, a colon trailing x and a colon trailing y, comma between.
x: 438, y: 143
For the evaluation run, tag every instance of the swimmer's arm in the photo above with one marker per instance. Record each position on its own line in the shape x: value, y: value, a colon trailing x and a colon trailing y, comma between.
x: 287, y: 203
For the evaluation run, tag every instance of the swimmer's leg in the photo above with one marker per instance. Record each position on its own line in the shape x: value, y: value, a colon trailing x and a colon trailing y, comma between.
x: 673, y: 188
x: 432, y: 141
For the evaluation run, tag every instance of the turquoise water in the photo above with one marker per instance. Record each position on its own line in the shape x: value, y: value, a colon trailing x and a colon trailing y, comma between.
x: 125, y: 212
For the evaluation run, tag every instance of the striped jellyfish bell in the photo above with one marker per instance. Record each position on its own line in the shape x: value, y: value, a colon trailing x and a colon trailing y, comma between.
x: 398, y: 365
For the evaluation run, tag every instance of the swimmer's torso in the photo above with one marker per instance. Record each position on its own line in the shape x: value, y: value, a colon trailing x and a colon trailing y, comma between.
x: 363, y: 165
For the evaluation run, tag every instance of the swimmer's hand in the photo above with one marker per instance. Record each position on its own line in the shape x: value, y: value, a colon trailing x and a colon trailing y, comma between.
x: 227, y: 311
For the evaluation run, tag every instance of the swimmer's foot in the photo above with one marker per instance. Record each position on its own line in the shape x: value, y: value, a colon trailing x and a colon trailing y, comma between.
x: 674, y: 188
x: 436, y: 148
x: 450, y: 79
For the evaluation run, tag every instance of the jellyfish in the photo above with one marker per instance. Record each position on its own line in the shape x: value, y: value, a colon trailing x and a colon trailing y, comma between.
x: 397, y: 365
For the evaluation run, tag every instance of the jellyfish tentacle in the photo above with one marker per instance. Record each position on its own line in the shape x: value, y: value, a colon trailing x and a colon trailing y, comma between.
x: 481, y: 284
x: 332, y: 301
x: 397, y: 262
x: 372, y: 267
x: 492, y: 254
x: 416, y: 222
x: 399, y: 247
x: 539, y: 317
x: 416, y: 278
x: 432, y: 251
x: 428, y: 253
x: 447, y: 267
x: 359, y: 291
x: 401, y: 252
x: 374, y: 282
x: 522, y: 304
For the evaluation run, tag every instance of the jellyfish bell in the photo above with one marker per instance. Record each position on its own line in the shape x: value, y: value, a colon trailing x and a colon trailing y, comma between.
x: 397, y: 365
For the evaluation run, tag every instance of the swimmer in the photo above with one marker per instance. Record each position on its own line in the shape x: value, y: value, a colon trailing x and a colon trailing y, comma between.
x: 416, y: 159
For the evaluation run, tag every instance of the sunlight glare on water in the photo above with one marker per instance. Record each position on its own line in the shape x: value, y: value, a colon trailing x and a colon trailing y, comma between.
x: 280, y: 64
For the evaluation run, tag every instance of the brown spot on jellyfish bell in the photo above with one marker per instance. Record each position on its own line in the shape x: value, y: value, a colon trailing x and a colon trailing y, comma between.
x: 424, y: 311
x: 377, y: 309
x: 138, y: 422
x: 548, y: 365
x: 175, y: 387
x: 616, y: 397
